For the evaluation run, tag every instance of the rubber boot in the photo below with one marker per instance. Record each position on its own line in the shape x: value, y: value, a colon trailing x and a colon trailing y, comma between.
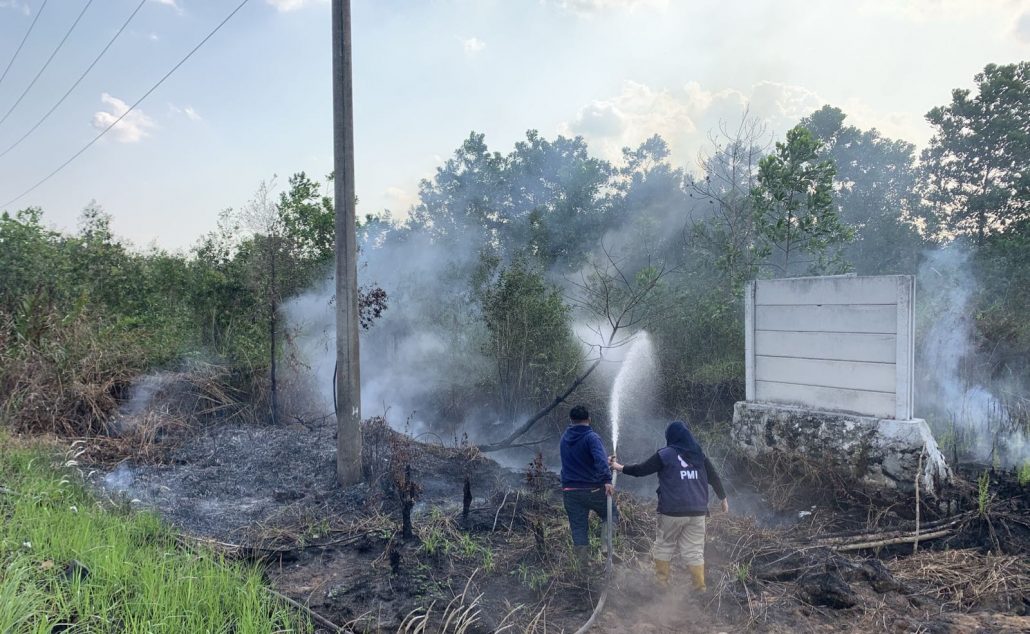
x: 661, y: 572
x: 697, y: 574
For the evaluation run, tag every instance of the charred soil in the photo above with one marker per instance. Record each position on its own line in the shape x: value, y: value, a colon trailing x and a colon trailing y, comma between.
x: 444, y: 539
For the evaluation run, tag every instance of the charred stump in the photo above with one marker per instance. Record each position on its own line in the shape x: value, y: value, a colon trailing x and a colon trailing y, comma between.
x: 466, y: 502
x: 409, y: 491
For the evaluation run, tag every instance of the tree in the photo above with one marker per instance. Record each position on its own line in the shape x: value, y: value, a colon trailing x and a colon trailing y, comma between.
x: 798, y: 229
x: 875, y: 192
x: 723, y: 219
x: 620, y: 302
x: 976, y: 165
x: 529, y: 338
x: 547, y: 196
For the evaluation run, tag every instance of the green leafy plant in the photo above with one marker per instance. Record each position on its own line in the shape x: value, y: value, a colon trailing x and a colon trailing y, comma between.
x: 983, y: 492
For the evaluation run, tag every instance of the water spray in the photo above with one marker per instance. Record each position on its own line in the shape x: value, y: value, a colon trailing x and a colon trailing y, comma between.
x: 638, y: 361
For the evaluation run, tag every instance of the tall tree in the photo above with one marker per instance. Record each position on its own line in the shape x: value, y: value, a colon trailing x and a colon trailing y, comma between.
x: 724, y: 223
x: 875, y: 192
x: 798, y: 228
x: 978, y: 161
x: 530, y: 339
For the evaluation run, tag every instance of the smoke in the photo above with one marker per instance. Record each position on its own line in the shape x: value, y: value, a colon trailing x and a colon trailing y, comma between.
x: 955, y: 388
x: 119, y: 480
x: 424, y: 364
x: 419, y: 351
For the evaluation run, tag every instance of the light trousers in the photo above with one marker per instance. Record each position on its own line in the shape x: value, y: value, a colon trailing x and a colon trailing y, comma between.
x: 683, y: 535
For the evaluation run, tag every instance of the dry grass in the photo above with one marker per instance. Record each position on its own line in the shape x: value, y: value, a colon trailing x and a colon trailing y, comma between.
x: 63, y: 376
x: 966, y: 579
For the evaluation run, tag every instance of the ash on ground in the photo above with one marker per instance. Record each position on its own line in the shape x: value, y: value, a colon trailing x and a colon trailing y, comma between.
x: 227, y: 480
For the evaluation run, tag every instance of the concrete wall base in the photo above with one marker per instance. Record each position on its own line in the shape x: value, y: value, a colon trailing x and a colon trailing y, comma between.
x: 875, y: 452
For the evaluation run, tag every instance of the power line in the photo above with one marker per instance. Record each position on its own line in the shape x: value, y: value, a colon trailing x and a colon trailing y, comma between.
x: 49, y: 59
x: 77, y: 81
x: 130, y: 109
x: 18, y: 50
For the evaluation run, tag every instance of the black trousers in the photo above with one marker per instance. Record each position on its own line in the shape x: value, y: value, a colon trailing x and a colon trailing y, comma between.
x: 578, y: 504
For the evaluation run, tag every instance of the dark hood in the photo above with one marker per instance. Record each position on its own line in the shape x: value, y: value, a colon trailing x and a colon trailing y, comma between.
x: 575, y: 433
x: 677, y: 435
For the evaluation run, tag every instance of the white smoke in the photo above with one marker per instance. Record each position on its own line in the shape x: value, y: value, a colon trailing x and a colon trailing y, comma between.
x: 955, y: 384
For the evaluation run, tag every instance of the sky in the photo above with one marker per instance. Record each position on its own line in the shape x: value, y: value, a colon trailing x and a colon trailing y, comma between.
x: 254, y: 103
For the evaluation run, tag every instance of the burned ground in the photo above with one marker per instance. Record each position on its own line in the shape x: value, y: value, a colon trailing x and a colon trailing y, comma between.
x: 498, y: 558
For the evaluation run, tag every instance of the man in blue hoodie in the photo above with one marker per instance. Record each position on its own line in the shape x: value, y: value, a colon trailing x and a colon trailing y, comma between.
x: 684, y: 473
x: 586, y: 478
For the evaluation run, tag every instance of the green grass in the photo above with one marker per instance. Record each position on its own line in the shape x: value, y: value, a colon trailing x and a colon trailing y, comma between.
x: 139, y: 580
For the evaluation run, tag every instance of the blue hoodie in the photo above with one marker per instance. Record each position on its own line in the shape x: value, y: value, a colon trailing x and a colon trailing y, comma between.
x: 584, y: 462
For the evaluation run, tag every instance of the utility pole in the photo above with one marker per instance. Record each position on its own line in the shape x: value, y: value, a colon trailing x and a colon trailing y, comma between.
x: 348, y: 378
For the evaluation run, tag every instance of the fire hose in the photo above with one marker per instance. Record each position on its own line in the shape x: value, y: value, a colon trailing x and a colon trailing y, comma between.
x: 609, y: 566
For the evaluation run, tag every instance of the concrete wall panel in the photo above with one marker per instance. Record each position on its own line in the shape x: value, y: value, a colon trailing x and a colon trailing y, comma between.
x: 876, y: 318
x: 824, y: 345
x: 877, y: 404
x: 828, y: 290
x: 874, y: 377
x: 833, y: 343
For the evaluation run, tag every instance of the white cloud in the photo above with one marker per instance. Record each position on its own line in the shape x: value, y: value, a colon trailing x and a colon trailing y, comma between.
x: 906, y: 126
x: 639, y: 112
x: 171, y: 3
x: 291, y: 5
x: 399, y: 200
x: 473, y: 45
x: 936, y: 10
x: 587, y: 7
x: 686, y: 116
x: 1022, y: 29
x: 17, y: 6
x: 187, y: 111
x: 131, y: 129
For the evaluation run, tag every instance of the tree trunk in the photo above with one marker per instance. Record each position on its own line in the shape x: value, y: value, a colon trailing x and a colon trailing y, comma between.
x: 271, y: 328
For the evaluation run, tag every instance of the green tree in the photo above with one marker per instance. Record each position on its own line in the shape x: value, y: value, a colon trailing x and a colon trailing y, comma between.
x: 529, y: 338
x: 798, y: 229
x: 875, y: 192
x: 977, y: 179
x: 545, y: 196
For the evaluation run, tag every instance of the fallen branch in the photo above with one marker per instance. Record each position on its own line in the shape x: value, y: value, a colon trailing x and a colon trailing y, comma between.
x: 520, y: 431
x: 315, y: 616
x: 847, y: 538
x: 907, y: 539
x: 498, y: 514
x: 265, y: 552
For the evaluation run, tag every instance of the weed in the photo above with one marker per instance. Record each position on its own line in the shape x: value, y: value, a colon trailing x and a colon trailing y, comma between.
x: 742, y: 571
x: 983, y: 492
x: 433, y: 540
x: 1024, y: 474
x: 532, y: 578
